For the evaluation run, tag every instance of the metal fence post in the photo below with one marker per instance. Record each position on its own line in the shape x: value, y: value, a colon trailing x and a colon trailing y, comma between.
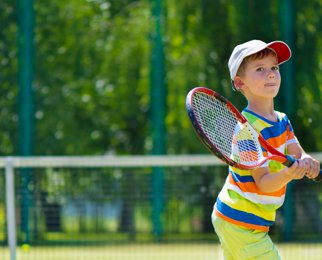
x: 287, y: 17
x: 10, y: 201
x: 158, y: 107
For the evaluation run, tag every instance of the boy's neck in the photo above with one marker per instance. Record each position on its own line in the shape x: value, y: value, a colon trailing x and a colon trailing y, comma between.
x: 264, y: 109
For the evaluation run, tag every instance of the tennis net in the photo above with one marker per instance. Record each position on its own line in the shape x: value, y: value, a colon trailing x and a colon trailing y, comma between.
x: 133, y: 207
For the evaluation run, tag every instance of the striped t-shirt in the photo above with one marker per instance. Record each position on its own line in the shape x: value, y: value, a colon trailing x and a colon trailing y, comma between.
x: 240, y: 200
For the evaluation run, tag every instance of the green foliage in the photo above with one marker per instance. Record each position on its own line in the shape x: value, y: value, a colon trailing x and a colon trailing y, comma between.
x: 92, y: 70
x: 308, y: 76
x: 91, y: 73
x: 8, y: 66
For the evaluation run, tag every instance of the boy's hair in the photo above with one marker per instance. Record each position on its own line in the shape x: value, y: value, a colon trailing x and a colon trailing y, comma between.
x: 258, y: 55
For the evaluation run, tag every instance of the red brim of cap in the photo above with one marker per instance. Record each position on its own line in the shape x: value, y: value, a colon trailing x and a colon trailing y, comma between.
x: 282, y: 50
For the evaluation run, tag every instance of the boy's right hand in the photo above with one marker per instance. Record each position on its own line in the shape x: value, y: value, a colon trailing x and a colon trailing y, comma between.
x: 298, y: 170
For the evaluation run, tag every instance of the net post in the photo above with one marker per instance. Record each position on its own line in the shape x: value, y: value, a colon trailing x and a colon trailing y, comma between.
x: 10, y: 200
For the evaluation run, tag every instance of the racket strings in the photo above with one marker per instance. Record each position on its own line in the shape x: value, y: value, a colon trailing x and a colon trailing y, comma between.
x: 233, y: 139
x: 246, y: 148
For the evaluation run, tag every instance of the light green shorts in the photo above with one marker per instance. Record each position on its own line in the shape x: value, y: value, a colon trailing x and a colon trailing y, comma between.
x: 239, y: 243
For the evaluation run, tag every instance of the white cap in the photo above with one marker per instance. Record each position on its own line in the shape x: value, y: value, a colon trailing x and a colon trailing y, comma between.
x: 241, y: 51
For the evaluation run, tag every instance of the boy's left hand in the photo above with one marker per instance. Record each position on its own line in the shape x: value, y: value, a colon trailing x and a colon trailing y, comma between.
x: 312, y: 166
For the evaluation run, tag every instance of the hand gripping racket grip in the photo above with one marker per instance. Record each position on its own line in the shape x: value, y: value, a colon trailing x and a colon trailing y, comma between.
x: 290, y: 160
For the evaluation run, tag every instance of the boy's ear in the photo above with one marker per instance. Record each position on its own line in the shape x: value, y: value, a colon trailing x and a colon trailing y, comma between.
x: 239, y: 84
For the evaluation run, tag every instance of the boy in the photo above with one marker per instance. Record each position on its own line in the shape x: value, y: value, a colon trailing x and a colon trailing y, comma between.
x: 247, y: 203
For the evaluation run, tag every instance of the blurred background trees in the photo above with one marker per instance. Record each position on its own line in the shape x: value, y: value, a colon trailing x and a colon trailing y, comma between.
x: 92, y: 83
x: 92, y: 70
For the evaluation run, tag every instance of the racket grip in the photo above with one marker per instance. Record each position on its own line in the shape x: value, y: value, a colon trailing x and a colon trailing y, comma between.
x: 289, y: 161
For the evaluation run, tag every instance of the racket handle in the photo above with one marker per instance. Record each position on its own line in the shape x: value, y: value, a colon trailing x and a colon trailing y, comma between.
x: 291, y: 160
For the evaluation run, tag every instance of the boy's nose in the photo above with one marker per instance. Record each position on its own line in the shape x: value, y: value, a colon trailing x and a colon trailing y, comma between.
x: 271, y: 75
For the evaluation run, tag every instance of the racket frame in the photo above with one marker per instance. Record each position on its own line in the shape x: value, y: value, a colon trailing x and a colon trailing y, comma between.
x: 275, y: 154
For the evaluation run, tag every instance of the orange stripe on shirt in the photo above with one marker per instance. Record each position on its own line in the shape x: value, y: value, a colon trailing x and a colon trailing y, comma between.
x: 278, y: 140
x: 252, y: 187
x: 290, y: 134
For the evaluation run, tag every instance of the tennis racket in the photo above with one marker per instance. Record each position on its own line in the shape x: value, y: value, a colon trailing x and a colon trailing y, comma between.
x: 228, y: 134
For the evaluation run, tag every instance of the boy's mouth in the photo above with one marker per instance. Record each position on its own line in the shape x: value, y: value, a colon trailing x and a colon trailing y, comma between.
x: 270, y: 85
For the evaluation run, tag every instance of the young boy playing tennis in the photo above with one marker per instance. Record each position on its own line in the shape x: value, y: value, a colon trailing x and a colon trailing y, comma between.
x: 247, y: 203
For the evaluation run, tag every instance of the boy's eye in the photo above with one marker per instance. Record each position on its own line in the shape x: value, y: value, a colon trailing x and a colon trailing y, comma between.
x: 275, y: 68
x: 260, y: 69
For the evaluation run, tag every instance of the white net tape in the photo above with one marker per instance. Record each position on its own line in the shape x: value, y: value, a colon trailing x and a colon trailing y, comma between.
x: 109, y: 161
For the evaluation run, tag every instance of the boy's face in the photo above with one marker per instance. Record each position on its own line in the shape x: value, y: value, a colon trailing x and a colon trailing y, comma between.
x: 261, y: 78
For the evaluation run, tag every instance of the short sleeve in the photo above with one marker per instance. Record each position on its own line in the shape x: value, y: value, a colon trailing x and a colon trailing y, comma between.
x: 291, y: 138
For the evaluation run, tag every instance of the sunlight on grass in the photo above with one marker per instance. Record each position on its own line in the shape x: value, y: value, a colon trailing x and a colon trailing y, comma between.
x: 203, y: 251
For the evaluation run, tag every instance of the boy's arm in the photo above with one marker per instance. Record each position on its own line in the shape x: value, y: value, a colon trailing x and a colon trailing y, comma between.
x: 295, y: 150
x: 268, y: 182
x: 305, y: 165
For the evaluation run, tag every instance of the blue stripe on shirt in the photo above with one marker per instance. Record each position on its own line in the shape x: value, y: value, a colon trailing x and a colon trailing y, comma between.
x: 241, y: 215
x: 272, y: 132
x: 239, y: 178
